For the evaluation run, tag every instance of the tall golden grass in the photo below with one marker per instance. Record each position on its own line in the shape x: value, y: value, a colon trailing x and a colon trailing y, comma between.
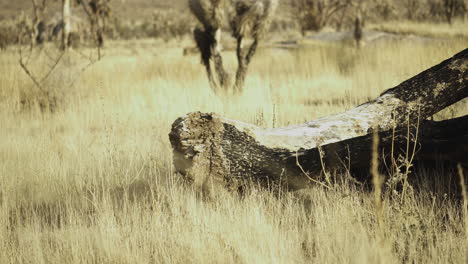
x: 93, y: 182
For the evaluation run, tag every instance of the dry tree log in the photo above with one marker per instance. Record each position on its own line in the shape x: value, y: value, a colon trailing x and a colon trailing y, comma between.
x: 212, y: 151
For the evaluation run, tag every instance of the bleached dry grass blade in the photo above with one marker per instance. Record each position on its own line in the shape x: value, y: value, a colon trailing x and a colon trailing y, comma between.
x: 93, y: 183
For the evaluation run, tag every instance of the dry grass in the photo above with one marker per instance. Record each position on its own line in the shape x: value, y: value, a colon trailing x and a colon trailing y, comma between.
x: 93, y: 182
x: 427, y: 29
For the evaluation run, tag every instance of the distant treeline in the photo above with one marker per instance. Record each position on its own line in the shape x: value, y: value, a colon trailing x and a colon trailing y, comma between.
x: 294, y: 15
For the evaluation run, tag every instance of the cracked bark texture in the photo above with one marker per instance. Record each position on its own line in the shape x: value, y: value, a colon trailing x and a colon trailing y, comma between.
x: 212, y: 151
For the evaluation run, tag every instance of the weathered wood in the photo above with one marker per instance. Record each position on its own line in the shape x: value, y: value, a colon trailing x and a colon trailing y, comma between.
x: 432, y: 142
x: 215, y: 151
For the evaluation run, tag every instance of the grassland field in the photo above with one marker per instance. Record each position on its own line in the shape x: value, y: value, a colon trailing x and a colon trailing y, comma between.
x: 93, y: 182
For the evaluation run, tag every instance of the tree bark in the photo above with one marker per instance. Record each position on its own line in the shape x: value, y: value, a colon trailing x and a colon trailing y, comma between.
x: 66, y: 16
x: 244, y: 58
x: 223, y: 76
x: 212, y: 151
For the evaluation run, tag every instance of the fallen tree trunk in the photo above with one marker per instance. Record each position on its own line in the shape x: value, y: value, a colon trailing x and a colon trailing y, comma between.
x: 431, y: 142
x: 215, y: 151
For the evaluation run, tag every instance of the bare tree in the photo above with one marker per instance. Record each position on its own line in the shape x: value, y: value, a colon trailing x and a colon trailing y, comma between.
x: 316, y: 14
x: 342, y: 17
x: 250, y: 19
x: 49, y: 73
x: 411, y: 7
x: 361, y: 9
x: 211, y: 14
x: 385, y: 8
x: 98, y: 11
x: 358, y: 31
x: 38, y: 28
x: 449, y: 8
x: 247, y: 19
x: 452, y: 8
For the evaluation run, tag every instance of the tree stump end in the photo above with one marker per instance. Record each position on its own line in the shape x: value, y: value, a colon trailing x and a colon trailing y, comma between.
x: 195, y: 140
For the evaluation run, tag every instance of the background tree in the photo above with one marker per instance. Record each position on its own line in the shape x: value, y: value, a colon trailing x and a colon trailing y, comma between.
x: 411, y: 8
x: 210, y: 13
x: 360, y: 15
x: 316, y: 14
x: 250, y: 20
x: 49, y: 73
x: 66, y: 18
x: 98, y: 11
x: 385, y: 9
x: 453, y: 8
x: 247, y: 19
x: 38, y: 27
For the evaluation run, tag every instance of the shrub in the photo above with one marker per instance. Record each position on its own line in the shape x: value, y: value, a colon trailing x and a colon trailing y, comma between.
x: 163, y: 24
x: 8, y: 34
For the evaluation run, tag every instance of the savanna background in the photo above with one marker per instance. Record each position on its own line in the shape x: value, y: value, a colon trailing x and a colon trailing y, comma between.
x: 86, y: 171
